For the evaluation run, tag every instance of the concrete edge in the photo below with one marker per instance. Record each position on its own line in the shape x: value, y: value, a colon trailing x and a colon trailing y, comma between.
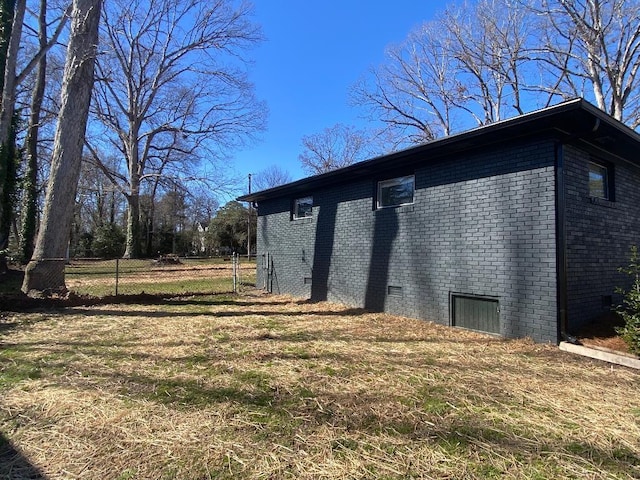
x: 600, y: 354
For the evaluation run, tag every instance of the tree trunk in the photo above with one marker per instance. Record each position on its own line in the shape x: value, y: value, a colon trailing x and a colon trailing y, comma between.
x: 149, y: 230
x: 11, y: 17
x: 30, y: 190
x: 132, y: 249
x: 45, y: 272
x: 9, y: 72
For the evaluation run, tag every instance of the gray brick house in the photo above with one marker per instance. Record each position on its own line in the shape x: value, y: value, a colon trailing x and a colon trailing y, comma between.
x: 516, y: 228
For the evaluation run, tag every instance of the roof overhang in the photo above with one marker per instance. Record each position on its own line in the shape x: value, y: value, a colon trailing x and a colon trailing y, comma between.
x: 575, y: 121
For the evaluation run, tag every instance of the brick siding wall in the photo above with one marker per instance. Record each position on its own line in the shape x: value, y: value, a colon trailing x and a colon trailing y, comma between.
x: 481, y: 224
x: 599, y: 235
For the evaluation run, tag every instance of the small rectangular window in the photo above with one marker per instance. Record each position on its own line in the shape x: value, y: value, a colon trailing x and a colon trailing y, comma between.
x: 599, y: 181
x: 302, y: 208
x: 396, y: 191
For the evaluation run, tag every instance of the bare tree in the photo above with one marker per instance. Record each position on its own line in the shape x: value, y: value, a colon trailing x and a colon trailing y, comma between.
x: 465, y: 68
x: 272, y: 176
x: 11, y: 16
x: 489, y: 47
x: 415, y: 91
x: 29, y: 209
x: 335, y: 147
x: 592, y: 48
x: 13, y: 71
x: 46, y: 269
x: 480, y: 62
x: 173, y: 91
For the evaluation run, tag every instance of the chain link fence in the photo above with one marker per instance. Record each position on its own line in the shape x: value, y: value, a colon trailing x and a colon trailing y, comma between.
x: 167, y: 275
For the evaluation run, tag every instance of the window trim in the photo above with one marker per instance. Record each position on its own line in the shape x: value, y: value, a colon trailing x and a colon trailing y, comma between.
x: 296, y: 204
x: 389, y: 182
x: 607, y: 180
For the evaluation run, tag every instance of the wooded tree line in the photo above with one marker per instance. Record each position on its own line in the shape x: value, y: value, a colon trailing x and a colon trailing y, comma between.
x: 156, y: 94
x: 140, y: 102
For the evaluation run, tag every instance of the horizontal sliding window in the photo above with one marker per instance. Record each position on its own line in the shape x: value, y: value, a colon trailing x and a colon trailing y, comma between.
x: 302, y: 207
x: 396, y: 191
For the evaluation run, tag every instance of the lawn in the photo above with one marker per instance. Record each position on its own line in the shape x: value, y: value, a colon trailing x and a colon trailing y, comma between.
x: 267, y: 387
x: 137, y: 276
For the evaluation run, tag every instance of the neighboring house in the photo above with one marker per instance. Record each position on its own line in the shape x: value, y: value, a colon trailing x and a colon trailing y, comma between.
x: 199, y: 243
x: 516, y: 228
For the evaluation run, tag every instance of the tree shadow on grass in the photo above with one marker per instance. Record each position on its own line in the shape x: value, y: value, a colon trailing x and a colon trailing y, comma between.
x: 19, y: 302
x: 240, y: 313
x: 14, y: 465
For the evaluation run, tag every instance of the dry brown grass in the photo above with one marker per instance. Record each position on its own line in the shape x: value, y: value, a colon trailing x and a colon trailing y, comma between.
x: 261, y: 386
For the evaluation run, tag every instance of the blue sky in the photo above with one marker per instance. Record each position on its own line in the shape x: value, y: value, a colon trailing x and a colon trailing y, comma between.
x: 313, y: 53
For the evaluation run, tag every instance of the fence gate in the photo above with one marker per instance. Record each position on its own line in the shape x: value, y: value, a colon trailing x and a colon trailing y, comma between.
x: 475, y: 313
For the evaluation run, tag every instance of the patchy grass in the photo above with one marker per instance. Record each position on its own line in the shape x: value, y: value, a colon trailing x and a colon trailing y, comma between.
x: 98, y: 278
x: 259, y: 386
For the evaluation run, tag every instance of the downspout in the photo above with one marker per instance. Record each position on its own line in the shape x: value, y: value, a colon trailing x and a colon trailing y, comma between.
x: 561, y: 247
x: 561, y: 242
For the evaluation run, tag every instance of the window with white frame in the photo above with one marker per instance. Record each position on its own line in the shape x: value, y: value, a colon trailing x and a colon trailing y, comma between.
x: 302, y: 208
x: 395, y: 192
x: 599, y: 181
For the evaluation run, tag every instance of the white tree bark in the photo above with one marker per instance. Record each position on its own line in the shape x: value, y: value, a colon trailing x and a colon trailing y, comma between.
x: 45, y: 272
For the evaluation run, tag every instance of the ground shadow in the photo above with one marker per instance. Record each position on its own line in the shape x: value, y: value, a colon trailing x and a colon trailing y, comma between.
x: 240, y: 313
x: 14, y: 464
x: 23, y: 303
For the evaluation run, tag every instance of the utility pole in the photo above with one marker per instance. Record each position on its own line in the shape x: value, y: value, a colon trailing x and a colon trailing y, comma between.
x: 249, y: 224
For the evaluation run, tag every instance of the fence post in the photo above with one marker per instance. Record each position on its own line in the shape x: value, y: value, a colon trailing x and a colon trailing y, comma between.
x: 233, y: 266
x: 117, y: 274
x: 269, y: 273
x: 265, y: 270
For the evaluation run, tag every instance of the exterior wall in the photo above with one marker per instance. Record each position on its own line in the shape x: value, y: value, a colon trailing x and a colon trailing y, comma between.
x: 482, y: 224
x: 599, y: 236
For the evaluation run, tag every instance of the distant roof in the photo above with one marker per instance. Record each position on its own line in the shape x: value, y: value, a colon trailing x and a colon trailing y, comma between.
x: 576, y: 120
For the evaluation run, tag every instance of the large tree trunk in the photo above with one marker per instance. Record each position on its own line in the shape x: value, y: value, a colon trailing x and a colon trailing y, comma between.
x: 133, y: 243
x: 132, y: 249
x: 45, y: 272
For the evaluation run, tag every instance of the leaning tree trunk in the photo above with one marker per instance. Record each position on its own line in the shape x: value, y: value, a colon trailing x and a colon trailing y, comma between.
x: 45, y: 272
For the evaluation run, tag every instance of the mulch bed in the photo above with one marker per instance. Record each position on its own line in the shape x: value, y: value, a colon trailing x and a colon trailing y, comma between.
x: 602, y: 333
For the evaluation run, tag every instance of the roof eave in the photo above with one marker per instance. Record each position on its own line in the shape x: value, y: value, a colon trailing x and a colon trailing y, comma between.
x: 573, y: 118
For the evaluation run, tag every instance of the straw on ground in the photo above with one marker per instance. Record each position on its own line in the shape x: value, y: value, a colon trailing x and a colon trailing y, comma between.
x: 258, y: 386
